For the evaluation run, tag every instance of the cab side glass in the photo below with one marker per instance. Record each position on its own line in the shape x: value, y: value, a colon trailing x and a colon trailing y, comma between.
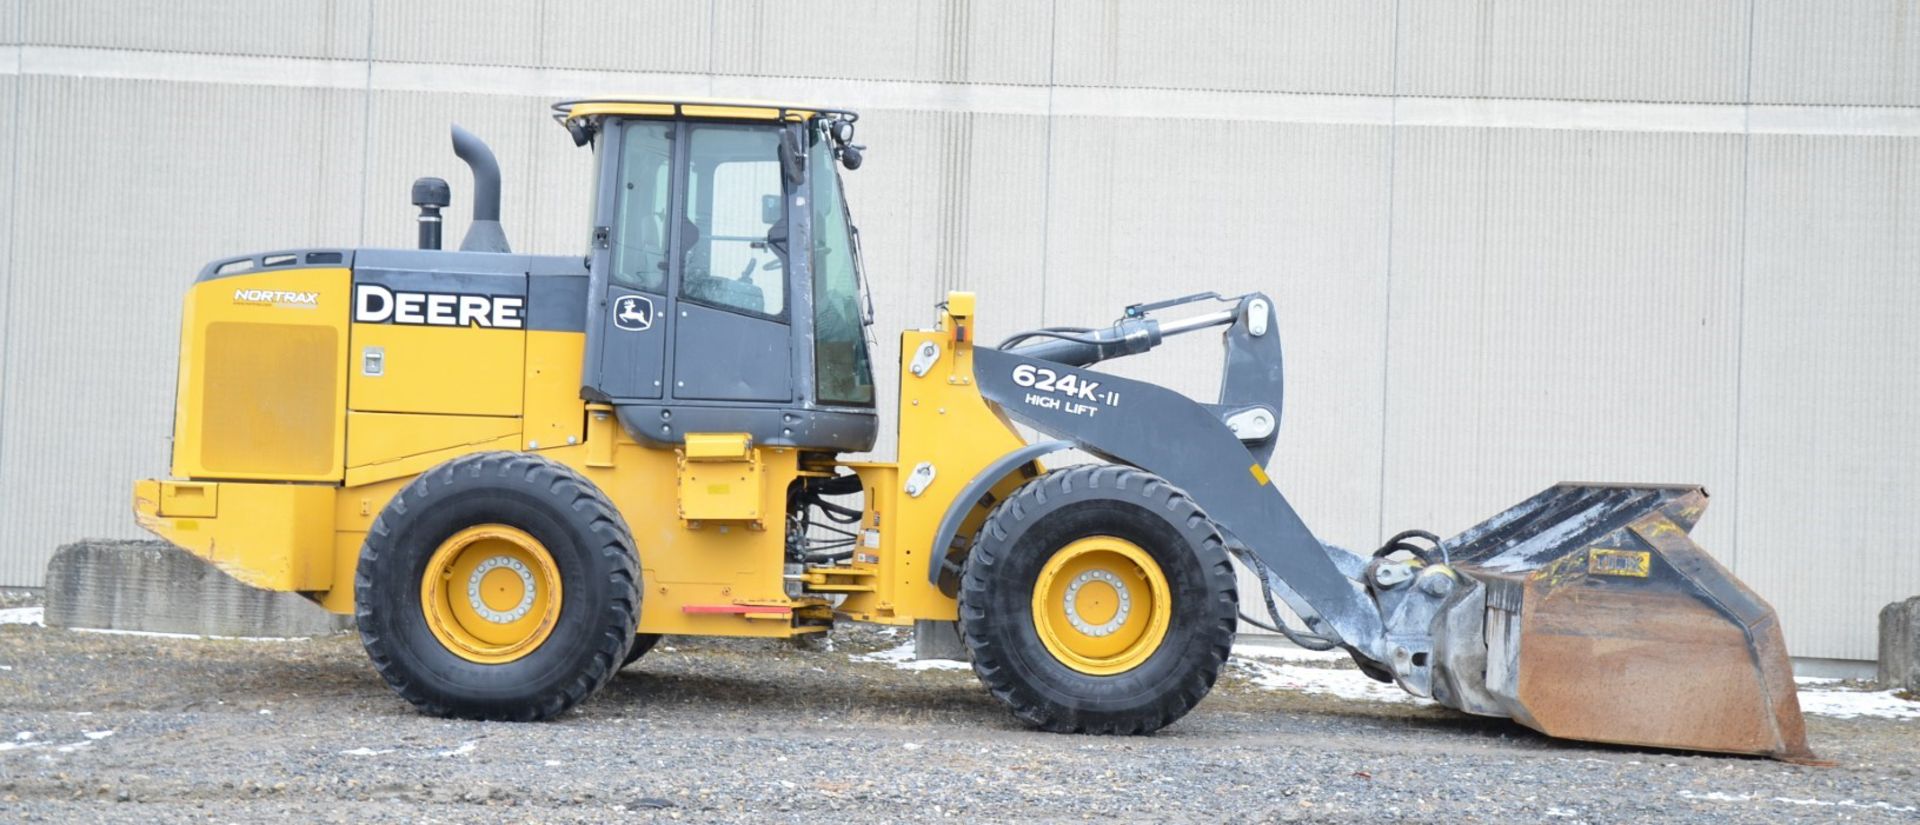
x: 735, y: 246
x: 842, y: 372
x: 641, y: 242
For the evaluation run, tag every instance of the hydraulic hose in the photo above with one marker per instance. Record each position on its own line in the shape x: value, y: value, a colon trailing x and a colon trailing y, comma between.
x: 1305, y: 639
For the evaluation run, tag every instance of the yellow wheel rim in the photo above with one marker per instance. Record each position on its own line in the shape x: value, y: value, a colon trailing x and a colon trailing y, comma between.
x: 1101, y: 605
x: 491, y: 593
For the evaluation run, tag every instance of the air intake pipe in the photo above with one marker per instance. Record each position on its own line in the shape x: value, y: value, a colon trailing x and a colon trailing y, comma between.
x: 484, y: 234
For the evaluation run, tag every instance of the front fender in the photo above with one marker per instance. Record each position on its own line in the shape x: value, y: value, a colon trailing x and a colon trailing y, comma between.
x: 970, y: 495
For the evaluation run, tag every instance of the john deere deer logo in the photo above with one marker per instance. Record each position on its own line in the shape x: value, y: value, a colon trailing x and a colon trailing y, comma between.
x: 634, y: 312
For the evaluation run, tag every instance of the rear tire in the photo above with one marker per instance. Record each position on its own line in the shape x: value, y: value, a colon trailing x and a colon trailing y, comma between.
x: 1113, y: 553
x: 500, y: 586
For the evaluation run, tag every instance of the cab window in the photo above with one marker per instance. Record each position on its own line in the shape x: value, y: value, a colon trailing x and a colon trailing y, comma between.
x: 733, y: 231
x: 842, y: 373
x: 641, y: 241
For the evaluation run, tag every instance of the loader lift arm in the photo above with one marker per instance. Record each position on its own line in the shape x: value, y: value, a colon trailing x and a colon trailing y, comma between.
x: 1191, y: 444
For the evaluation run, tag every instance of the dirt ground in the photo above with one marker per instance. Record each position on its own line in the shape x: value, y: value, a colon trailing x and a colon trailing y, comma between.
x: 102, y: 727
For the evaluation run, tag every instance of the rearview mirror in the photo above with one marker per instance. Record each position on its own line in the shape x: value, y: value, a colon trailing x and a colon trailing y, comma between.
x: 770, y: 209
x: 792, y: 156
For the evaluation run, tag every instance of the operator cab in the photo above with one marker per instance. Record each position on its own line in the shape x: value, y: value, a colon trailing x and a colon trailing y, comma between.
x: 725, y: 287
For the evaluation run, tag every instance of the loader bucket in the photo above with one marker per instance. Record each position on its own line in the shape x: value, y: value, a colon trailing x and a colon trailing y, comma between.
x: 1603, y: 621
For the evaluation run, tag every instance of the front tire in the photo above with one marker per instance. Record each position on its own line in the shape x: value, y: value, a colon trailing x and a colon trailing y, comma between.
x: 1098, y: 599
x: 499, y: 586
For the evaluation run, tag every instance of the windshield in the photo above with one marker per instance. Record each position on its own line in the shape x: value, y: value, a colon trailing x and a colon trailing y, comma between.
x: 842, y: 373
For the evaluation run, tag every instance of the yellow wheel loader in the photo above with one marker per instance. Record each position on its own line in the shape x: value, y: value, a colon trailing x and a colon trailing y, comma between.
x: 518, y: 471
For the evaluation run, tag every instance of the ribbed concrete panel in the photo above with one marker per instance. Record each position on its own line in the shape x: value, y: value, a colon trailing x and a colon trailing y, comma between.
x: 409, y: 137
x: 1828, y: 444
x: 948, y: 201
x: 559, y: 183
x: 280, y: 28
x: 9, y: 132
x: 1864, y: 52
x: 9, y: 22
x: 122, y: 220
x: 980, y: 41
x: 1573, y: 49
x: 1336, y: 46
x: 669, y: 36
x: 480, y: 32
x: 1151, y: 209
x: 1565, y: 307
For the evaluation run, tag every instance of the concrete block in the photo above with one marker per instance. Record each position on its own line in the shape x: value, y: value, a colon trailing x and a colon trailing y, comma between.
x: 938, y: 640
x: 155, y: 586
x: 1900, y: 645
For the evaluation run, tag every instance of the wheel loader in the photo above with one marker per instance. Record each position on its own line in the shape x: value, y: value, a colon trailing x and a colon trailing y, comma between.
x: 518, y: 471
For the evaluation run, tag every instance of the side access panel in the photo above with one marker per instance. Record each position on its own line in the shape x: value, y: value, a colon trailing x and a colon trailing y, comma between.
x: 447, y: 343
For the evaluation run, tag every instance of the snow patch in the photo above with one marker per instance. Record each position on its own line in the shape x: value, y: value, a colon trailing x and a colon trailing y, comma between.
x: 1345, y: 684
x: 1847, y: 803
x: 902, y: 657
x: 1270, y: 650
x: 464, y: 749
x: 1292, y: 668
x: 1849, y: 704
x: 36, y: 616
x: 96, y: 735
x: 1714, y: 796
x: 1719, y: 796
x: 365, y: 751
x: 156, y: 634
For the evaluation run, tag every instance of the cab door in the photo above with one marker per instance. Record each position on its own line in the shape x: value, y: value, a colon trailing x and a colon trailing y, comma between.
x: 631, y: 267
x: 733, y: 333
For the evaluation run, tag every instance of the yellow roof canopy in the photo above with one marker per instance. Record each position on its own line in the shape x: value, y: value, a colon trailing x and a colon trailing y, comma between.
x: 569, y: 110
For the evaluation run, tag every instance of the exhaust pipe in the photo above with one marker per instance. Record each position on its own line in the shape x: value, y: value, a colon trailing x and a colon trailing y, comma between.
x: 484, y: 234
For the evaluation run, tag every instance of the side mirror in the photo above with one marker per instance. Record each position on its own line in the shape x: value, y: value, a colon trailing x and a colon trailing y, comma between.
x: 792, y: 156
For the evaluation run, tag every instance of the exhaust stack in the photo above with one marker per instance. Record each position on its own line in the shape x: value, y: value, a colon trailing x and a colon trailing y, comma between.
x: 484, y: 234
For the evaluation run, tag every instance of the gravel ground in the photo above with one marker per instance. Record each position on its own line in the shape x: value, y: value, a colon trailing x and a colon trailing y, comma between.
x: 121, y: 728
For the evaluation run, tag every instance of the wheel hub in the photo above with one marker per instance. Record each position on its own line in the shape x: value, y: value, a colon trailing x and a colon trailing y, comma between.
x: 498, y: 587
x: 1119, y: 612
x: 1101, y: 605
x: 491, y: 593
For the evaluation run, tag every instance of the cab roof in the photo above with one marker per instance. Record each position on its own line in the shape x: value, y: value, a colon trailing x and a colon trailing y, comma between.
x: 693, y: 107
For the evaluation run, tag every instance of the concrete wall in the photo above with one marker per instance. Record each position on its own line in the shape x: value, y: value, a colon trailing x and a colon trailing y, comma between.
x: 1511, y: 243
